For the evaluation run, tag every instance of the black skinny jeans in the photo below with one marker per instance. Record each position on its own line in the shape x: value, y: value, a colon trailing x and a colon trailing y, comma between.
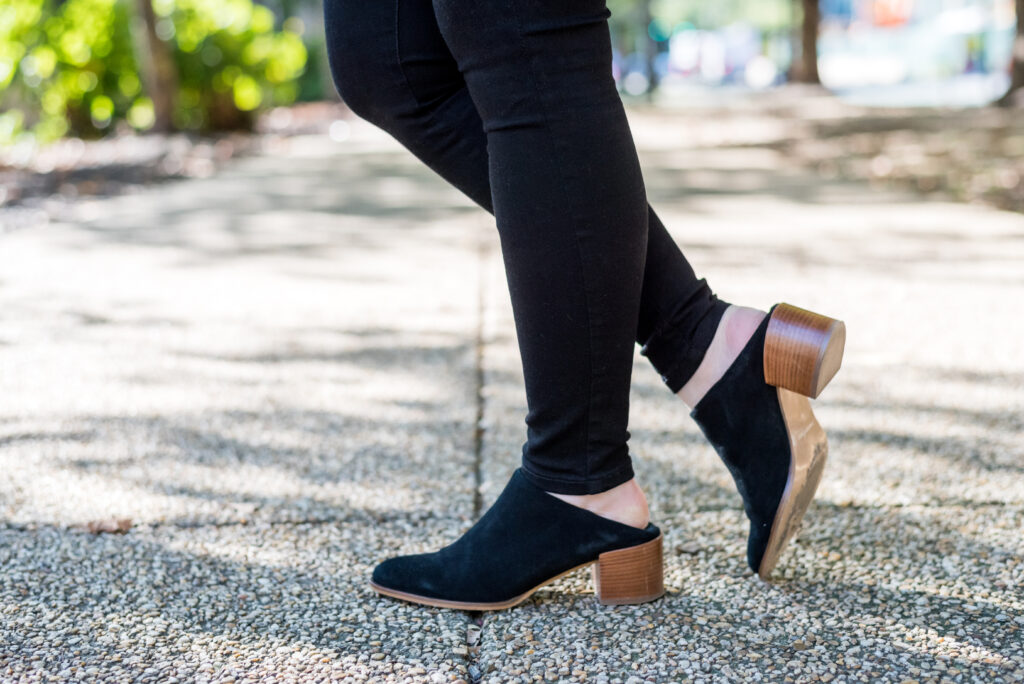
x: 513, y: 102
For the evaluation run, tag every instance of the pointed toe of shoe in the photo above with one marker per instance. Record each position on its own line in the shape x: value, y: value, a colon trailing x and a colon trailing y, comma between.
x: 757, y: 543
x: 390, y: 573
x: 406, y: 575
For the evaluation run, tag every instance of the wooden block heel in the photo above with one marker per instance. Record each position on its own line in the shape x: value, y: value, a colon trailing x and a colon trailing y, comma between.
x: 630, y: 575
x: 802, y: 350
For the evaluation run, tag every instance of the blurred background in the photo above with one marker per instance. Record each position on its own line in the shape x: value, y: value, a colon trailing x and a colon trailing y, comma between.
x: 883, y: 52
x: 199, y: 79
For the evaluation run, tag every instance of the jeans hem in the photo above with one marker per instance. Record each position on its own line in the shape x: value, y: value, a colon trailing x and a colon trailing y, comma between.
x: 558, y: 485
x: 687, y: 351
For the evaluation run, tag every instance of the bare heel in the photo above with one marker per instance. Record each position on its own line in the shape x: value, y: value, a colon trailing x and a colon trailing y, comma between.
x: 802, y: 350
x: 631, y: 575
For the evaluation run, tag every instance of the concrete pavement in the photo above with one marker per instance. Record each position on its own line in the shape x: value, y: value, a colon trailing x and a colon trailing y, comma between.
x: 277, y: 375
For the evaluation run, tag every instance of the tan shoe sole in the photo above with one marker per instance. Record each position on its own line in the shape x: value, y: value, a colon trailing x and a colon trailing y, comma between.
x: 808, y: 448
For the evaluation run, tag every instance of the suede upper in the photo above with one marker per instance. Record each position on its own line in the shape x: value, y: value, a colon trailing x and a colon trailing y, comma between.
x: 741, y: 417
x: 526, y: 538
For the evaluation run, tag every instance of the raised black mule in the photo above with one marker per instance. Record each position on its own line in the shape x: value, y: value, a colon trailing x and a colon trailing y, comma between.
x: 760, y: 422
x: 527, y: 539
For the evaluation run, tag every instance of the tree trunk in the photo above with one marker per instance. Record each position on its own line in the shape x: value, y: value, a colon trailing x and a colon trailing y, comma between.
x: 156, y: 62
x: 1017, y: 69
x: 650, y: 46
x: 806, y: 68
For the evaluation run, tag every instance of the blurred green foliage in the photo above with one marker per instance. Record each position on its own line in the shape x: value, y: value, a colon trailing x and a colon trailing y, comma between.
x: 57, y: 67
x: 72, y: 66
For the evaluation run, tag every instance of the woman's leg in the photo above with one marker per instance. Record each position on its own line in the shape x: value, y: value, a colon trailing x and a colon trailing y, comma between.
x: 432, y: 112
x: 571, y: 211
x: 393, y: 68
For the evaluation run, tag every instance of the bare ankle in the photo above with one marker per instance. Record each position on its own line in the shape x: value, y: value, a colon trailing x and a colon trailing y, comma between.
x: 624, y: 503
x: 737, y: 326
x: 742, y: 326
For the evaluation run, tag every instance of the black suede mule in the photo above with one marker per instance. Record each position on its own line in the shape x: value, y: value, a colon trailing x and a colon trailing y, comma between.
x: 760, y: 422
x: 527, y: 539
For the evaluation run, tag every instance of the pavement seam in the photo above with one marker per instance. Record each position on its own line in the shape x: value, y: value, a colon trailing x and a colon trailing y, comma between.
x: 476, y: 617
x: 483, y: 255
